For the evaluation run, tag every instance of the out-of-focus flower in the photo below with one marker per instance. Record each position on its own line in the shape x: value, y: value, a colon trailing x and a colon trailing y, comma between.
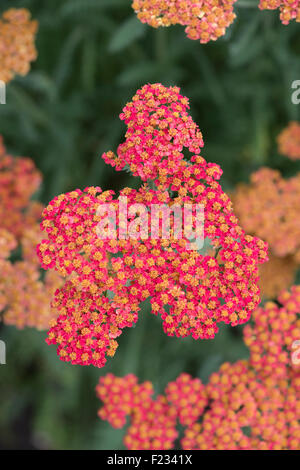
x: 19, y: 180
x: 17, y: 49
x: 153, y: 422
x: 269, y: 208
x: 289, y: 141
x: 7, y: 243
x: 276, y: 275
x: 25, y: 295
x: 28, y: 296
x: 289, y: 9
x: 251, y: 404
x: 204, y: 20
x: 191, y: 291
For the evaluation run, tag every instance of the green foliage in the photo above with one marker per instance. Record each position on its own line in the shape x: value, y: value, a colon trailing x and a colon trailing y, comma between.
x: 93, y: 55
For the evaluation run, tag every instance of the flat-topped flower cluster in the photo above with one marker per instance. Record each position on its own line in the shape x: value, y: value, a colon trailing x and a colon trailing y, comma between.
x: 251, y: 404
x: 289, y: 9
x: 108, y: 279
x: 204, y: 20
x: 24, y: 296
x: 17, y: 48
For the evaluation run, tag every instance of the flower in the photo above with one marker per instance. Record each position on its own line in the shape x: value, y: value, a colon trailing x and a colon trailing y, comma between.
x: 277, y: 275
x: 205, y: 20
x: 17, y: 50
x: 191, y: 290
x: 249, y: 405
x: 271, y: 336
x: 289, y: 141
x: 19, y: 180
x: 268, y: 207
x: 24, y: 296
x: 289, y: 9
x: 28, y: 296
x: 159, y: 129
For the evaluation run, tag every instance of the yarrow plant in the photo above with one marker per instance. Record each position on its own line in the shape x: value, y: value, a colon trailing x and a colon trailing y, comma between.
x: 289, y: 141
x: 204, y: 20
x: 253, y: 404
x: 24, y: 296
x: 17, y: 49
x: 289, y: 9
x: 108, y: 279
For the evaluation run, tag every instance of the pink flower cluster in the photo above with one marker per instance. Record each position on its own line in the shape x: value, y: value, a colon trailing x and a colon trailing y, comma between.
x: 276, y: 327
x: 251, y: 404
x: 289, y: 9
x: 106, y: 280
x: 159, y: 129
x: 204, y: 20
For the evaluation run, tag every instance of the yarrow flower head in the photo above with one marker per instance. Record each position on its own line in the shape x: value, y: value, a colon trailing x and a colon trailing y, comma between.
x: 24, y: 296
x: 289, y: 9
x: 17, y: 49
x: 289, y: 141
x: 19, y: 180
x: 268, y: 207
x: 273, y: 333
x: 204, y: 20
x: 248, y: 405
x: 107, y: 279
x: 153, y: 421
x: 276, y: 275
x: 27, y: 297
x: 159, y: 129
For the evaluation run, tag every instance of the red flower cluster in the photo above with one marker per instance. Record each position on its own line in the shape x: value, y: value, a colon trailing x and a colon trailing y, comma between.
x: 204, y: 20
x: 159, y: 129
x: 24, y: 297
x: 107, y: 279
x: 153, y: 421
x: 275, y: 329
x: 17, y: 50
x: 289, y: 141
x: 251, y: 404
x: 289, y: 9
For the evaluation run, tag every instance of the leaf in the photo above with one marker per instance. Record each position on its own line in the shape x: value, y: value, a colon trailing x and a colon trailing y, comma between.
x: 130, y: 30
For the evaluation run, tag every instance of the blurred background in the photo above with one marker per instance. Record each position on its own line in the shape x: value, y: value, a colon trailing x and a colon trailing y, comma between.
x: 92, y: 57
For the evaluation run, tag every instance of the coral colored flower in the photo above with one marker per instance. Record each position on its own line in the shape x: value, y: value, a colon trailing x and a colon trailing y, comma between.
x: 269, y: 208
x: 289, y: 9
x: 276, y: 275
x: 289, y: 141
x: 28, y: 296
x: 17, y: 49
x: 19, y: 180
x: 24, y: 296
x: 248, y: 405
x: 204, y: 20
x: 191, y: 290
